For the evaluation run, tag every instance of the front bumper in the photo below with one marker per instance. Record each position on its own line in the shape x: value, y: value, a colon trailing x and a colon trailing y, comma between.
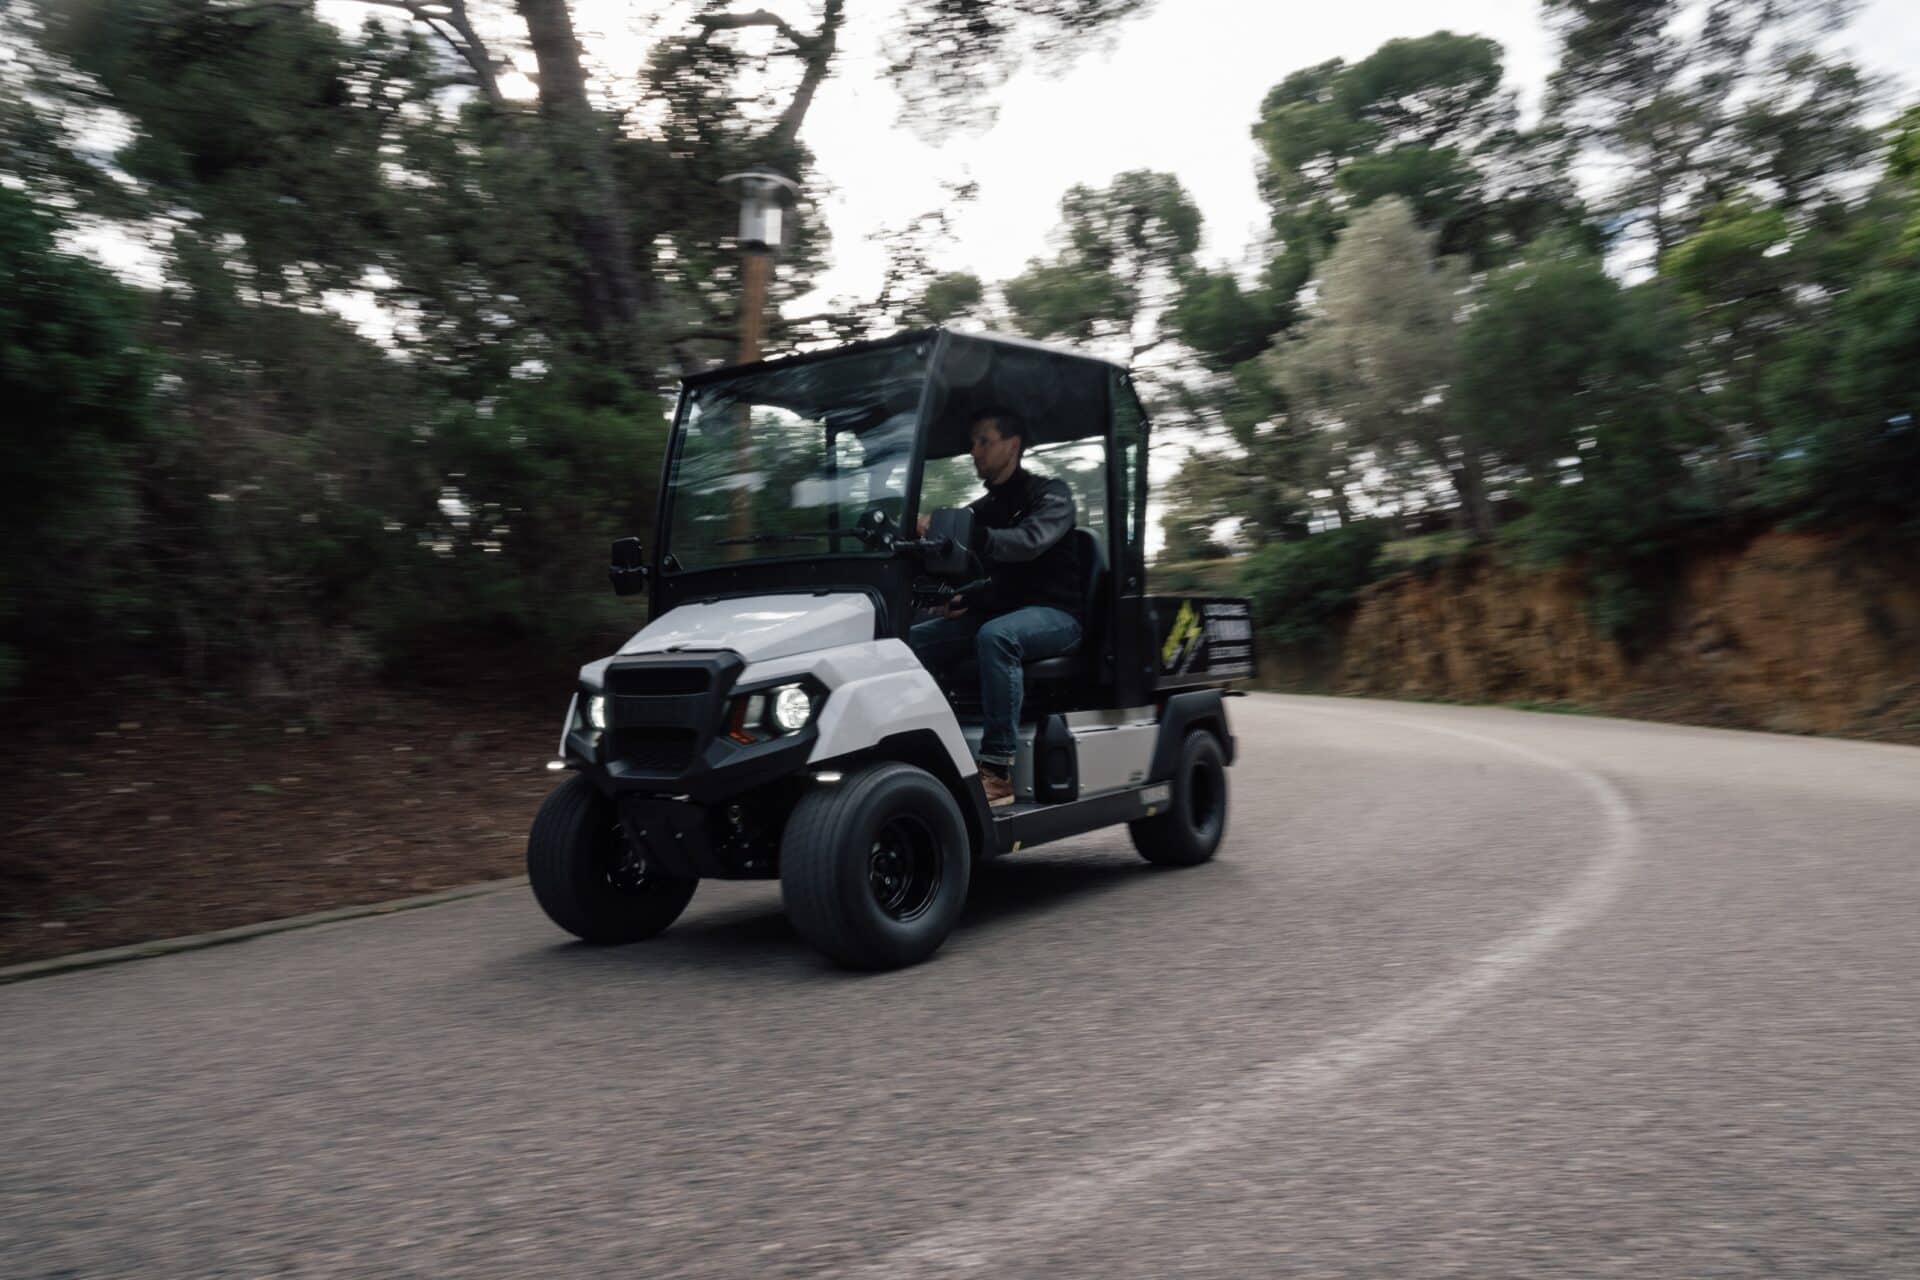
x: 665, y: 713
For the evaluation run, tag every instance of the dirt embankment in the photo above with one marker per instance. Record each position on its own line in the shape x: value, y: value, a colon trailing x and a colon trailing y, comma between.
x: 134, y: 813
x: 1795, y: 632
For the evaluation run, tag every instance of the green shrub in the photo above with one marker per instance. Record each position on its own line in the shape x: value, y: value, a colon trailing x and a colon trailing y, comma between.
x: 1298, y: 588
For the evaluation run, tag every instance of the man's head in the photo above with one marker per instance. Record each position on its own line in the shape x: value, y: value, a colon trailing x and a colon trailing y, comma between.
x: 999, y: 438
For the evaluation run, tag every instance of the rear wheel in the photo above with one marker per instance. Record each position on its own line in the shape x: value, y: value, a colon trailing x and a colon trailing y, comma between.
x: 588, y: 877
x: 1196, y: 817
x: 874, y: 869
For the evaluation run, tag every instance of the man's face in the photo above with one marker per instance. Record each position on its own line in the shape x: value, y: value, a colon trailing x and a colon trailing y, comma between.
x: 994, y: 455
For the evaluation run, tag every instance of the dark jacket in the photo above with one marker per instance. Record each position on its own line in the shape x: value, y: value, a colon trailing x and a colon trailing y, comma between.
x: 1020, y: 532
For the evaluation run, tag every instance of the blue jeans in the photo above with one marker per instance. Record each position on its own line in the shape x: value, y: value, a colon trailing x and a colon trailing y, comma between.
x: 1000, y: 644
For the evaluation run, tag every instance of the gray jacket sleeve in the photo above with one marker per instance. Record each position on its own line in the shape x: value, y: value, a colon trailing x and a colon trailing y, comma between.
x: 1044, y: 525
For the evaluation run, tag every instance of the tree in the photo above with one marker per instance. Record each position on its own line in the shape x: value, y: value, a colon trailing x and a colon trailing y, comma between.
x: 535, y: 270
x: 1738, y: 278
x: 1124, y: 250
x: 1374, y: 364
x: 1843, y: 396
x: 1633, y: 493
x: 1574, y: 380
x: 1425, y: 120
x: 948, y: 56
x: 79, y: 390
x: 1693, y: 109
x: 1533, y: 351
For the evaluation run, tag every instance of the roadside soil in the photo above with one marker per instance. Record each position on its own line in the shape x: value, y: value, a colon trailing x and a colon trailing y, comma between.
x: 136, y: 815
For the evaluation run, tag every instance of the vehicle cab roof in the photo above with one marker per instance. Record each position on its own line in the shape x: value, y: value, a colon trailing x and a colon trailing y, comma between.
x: 1061, y: 393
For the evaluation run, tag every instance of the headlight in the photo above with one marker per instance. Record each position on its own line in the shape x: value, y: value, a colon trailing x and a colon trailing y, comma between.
x: 771, y: 713
x: 792, y: 708
x: 597, y: 711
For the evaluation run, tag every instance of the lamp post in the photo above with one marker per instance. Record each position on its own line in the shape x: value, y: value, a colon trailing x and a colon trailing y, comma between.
x: 761, y: 190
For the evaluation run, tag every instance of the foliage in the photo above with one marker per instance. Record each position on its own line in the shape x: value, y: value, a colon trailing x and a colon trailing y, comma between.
x: 948, y: 56
x: 397, y: 368
x: 1696, y: 104
x: 1532, y: 353
x: 1618, y: 513
x: 1299, y: 588
x: 78, y: 387
x: 400, y: 378
x: 1845, y: 396
x: 1372, y: 366
x: 1424, y: 120
x: 1124, y: 247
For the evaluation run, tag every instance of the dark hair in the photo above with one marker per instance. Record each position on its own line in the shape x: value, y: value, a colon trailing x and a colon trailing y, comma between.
x: 1008, y: 423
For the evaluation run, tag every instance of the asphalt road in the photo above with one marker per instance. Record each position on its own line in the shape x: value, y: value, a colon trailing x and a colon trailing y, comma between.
x: 1467, y: 992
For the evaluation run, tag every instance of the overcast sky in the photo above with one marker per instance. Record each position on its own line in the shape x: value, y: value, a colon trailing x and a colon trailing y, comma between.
x: 1177, y: 91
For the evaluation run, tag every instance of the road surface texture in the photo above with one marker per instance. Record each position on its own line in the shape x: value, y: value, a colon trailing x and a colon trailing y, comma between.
x: 1466, y: 993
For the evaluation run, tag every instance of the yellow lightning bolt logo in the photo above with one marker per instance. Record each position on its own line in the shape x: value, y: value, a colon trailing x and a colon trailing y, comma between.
x: 1182, y: 638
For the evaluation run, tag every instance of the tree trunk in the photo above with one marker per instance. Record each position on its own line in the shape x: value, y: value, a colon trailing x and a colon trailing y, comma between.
x: 1342, y: 507
x: 1468, y: 477
x: 609, y: 287
x: 1469, y: 481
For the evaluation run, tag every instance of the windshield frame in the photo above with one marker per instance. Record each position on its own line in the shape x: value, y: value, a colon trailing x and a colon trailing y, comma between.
x: 886, y: 579
x: 929, y: 344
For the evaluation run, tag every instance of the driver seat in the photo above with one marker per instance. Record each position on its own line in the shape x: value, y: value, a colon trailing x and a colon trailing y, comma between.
x: 1077, y: 665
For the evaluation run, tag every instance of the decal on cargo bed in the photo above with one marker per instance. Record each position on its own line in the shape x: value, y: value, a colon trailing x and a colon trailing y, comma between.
x: 1206, y: 639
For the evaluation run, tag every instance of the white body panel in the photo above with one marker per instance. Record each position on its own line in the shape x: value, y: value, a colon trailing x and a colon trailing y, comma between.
x: 759, y: 628
x: 875, y: 689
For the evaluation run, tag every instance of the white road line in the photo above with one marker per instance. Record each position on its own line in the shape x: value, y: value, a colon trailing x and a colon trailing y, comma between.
x: 1068, y: 1201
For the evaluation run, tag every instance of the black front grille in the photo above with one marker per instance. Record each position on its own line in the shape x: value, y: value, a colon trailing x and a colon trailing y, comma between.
x: 663, y: 709
x: 655, y: 750
x: 657, y: 682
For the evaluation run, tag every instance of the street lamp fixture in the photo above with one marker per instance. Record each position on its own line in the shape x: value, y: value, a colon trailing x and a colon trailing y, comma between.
x: 761, y: 191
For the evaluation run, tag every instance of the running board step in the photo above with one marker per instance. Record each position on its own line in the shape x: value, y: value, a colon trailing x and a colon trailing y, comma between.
x: 1027, y: 824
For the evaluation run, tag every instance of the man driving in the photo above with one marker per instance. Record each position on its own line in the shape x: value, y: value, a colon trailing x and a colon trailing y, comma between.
x: 1026, y: 608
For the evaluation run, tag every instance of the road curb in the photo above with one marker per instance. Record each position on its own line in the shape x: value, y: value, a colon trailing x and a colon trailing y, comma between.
x: 242, y: 933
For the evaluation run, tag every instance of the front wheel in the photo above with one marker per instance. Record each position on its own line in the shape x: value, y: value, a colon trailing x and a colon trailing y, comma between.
x: 1196, y: 817
x: 874, y: 869
x: 588, y: 877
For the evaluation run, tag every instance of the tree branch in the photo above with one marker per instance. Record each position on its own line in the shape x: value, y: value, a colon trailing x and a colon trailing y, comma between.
x: 819, y: 54
x: 476, y: 53
x: 470, y: 48
x: 713, y: 22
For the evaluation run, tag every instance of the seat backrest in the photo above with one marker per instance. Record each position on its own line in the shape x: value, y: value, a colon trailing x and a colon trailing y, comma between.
x: 1093, y: 569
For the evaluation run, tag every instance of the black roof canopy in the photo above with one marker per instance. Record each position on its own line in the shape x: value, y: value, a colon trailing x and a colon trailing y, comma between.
x: 1060, y: 393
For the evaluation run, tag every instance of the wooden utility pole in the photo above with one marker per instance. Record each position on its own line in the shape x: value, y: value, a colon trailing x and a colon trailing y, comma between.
x: 756, y: 268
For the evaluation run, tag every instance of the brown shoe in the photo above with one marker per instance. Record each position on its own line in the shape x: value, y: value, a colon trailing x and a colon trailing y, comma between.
x: 997, y: 785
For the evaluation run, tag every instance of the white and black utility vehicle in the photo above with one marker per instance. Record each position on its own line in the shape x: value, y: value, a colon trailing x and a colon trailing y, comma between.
x: 770, y: 721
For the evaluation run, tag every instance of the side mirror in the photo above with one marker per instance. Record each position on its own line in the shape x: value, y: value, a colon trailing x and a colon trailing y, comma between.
x: 628, y: 572
x: 955, y: 524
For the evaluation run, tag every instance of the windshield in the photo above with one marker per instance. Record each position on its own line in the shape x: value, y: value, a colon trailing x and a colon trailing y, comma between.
x: 803, y: 460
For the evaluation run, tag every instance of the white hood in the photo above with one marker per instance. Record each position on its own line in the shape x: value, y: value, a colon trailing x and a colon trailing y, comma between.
x: 761, y: 627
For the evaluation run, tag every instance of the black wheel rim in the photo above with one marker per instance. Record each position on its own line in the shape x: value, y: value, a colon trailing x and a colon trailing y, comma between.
x: 1205, y: 797
x: 903, y: 868
x: 623, y: 866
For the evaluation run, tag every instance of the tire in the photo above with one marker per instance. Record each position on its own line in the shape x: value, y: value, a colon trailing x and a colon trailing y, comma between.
x: 1195, y: 822
x: 585, y: 876
x: 874, y: 870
